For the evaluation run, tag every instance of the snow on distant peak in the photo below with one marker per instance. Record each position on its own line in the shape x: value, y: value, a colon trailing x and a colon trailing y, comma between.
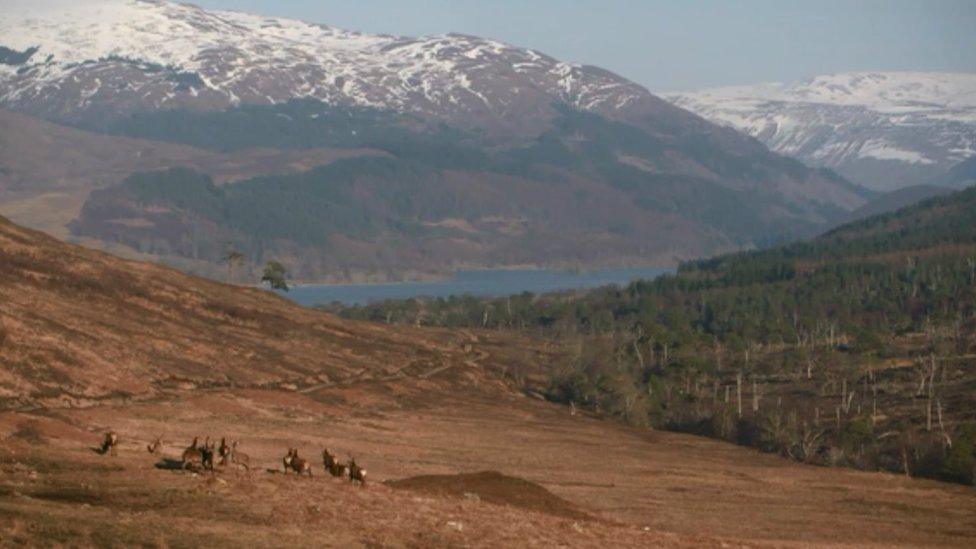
x: 922, y: 121
x: 878, y: 91
x: 160, y: 54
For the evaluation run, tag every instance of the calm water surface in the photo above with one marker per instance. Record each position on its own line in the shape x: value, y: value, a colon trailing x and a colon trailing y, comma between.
x: 476, y: 283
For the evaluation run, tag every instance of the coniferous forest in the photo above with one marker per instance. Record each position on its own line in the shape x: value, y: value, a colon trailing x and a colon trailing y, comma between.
x: 855, y: 348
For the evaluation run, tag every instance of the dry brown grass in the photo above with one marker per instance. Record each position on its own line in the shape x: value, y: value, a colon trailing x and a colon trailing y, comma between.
x: 80, y: 326
x: 95, y: 343
x: 426, y: 454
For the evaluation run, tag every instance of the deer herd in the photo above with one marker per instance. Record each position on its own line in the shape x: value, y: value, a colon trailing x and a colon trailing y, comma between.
x: 209, y: 454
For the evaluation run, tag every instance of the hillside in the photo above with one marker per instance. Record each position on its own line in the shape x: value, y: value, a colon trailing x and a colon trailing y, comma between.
x: 883, y: 130
x: 78, y: 327
x: 90, y: 343
x: 853, y: 348
x: 588, y: 192
x: 898, y: 199
x: 627, y: 177
x: 961, y: 175
x: 47, y: 170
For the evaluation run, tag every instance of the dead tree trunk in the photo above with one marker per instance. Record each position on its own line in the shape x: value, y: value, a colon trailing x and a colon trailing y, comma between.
x: 738, y: 392
x: 928, y: 407
x: 938, y: 407
x: 755, y: 397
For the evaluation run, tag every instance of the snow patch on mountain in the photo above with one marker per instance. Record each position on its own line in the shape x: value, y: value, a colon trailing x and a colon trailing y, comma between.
x: 926, y: 121
x: 879, y: 149
x: 159, y: 54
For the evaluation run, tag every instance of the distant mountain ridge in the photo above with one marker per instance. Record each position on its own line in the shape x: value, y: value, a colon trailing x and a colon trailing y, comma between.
x: 881, y: 129
x: 961, y: 175
x: 898, y: 199
x: 122, y: 56
x: 489, y: 154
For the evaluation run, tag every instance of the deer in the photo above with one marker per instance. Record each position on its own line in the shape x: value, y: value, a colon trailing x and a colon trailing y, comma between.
x: 207, y: 455
x: 239, y: 458
x: 356, y: 472
x: 332, y: 464
x: 286, y: 461
x: 224, y: 451
x: 192, y: 453
x: 296, y: 463
x: 110, y: 443
x: 154, y: 446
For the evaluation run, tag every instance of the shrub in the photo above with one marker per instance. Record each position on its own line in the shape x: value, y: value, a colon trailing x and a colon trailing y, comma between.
x: 29, y: 431
x: 959, y: 464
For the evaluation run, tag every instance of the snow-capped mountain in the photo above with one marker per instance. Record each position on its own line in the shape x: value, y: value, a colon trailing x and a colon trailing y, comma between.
x: 135, y: 55
x: 882, y: 129
x: 480, y: 153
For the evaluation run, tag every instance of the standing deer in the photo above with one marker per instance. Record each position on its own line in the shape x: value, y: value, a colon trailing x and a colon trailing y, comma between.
x: 207, y: 454
x: 332, y: 464
x: 239, y: 458
x: 296, y: 463
x: 154, y: 446
x: 110, y: 443
x: 224, y: 451
x: 356, y: 473
x: 192, y: 453
x: 286, y: 461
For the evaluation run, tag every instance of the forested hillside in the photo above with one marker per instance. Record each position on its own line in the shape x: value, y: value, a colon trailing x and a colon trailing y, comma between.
x: 853, y: 348
x: 589, y: 191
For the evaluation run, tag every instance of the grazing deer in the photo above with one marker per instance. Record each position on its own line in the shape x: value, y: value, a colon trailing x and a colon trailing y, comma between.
x: 153, y: 446
x: 110, y: 443
x: 296, y: 463
x: 356, y: 473
x: 239, y: 458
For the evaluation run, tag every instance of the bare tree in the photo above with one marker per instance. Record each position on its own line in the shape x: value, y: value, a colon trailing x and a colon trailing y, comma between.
x: 232, y: 257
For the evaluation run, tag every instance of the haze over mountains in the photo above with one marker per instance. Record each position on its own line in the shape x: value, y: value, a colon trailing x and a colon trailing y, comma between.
x: 479, y: 153
x: 884, y: 130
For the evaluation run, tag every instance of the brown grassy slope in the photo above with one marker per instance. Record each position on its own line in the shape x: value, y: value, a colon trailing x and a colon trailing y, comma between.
x: 47, y: 170
x: 636, y: 488
x: 79, y: 324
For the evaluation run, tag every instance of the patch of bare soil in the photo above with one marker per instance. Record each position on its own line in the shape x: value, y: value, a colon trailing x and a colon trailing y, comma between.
x: 493, y: 487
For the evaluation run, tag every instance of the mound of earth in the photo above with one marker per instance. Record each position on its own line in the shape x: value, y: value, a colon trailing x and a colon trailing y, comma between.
x: 492, y: 487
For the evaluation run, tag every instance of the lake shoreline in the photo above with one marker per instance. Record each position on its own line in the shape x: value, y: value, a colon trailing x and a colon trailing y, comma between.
x: 474, y: 282
x: 418, y: 277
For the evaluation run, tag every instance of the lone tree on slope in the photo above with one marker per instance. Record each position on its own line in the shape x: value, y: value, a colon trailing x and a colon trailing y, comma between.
x: 274, y: 275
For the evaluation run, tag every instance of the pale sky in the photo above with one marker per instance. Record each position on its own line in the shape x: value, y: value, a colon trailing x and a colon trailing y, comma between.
x: 680, y: 44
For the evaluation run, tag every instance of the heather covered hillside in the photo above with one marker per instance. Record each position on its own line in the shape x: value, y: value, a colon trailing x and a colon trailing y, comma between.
x: 460, y: 447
